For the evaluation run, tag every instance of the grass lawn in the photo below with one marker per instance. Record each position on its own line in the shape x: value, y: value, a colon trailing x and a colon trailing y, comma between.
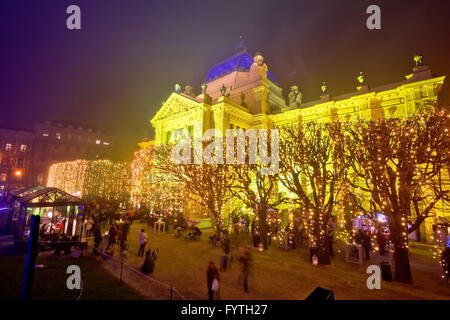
x: 50, y: 283
x: 275, y: 274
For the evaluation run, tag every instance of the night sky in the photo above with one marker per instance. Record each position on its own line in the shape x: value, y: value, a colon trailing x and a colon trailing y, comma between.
x: 114, y: 73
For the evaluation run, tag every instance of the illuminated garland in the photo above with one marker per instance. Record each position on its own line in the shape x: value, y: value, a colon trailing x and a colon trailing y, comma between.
x: 91, y: 179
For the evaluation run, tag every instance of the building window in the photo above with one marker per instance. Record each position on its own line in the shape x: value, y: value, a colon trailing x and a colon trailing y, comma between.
x: 97, y: 141
x: 23, y: 148
x: 45, y: 134
x: 3, y: 177
x: 58, y: 136
x: 20, y: 163
x: 106, y: 143
x: 8, y: 147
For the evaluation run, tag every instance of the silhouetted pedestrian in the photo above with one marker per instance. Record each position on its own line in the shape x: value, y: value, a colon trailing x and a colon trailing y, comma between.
x: 244, y: 259
x: 142, y: 242
x: 212, y: 275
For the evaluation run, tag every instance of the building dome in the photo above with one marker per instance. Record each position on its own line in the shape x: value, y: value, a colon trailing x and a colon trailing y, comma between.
x: 241, y: 61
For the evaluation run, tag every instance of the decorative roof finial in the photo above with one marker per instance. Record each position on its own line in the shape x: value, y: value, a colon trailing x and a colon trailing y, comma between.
x: 204, y: 86
x: 361, y: 78
x: 240, y: 45
x: 324, y: 88
x: 223, y: 90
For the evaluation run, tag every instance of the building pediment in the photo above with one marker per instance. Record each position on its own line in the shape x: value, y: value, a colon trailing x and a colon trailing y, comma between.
x: 176, y: 104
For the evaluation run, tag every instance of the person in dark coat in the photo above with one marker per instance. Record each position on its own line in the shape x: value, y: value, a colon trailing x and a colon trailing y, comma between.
x: 149, y: 263
x: 112, y: 236
x: 256, y: 239
x: 224, y: 257
x: 331, y: 226
x: 381, y: 240
x: 364, y: 239
x: 97, y: 237
x: 211, y: 274
x: 244, y: 259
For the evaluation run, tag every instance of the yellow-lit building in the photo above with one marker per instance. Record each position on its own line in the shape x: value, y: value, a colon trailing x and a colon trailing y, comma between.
x: 241, y: 92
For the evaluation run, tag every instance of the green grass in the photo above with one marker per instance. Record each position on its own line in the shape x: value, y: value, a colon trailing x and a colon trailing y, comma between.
x: 50, y: 283
x: 275, y: 273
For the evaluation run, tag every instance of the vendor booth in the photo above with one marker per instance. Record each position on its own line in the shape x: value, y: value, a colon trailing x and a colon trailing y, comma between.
x: 10, y: 199
x: 20, y: 193
x: 60, y: 213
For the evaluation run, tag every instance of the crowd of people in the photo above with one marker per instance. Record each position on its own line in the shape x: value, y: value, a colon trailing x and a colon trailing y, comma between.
x: 119, y: 229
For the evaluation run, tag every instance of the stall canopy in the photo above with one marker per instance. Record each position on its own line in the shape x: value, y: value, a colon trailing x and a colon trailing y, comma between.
x: 48, y: 197
x: 18, y: 193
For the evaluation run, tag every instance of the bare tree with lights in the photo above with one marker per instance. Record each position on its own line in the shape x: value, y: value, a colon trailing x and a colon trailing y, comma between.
x: 203, y: 183
x: 310, y: 171
x: 143, y: 184
x: 254, y: 186
x: 399, y: 163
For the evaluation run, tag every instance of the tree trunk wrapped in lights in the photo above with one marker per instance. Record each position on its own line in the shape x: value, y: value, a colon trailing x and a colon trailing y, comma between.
x: 142, y: 181
x: 310, y: 171
x: 255, y: 184
x: 399, y: 162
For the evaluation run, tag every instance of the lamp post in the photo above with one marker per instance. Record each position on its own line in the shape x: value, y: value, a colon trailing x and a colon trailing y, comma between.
x: 18, y: 173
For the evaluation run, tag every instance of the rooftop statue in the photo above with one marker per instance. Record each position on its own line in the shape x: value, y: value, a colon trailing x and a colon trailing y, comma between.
x: 189, y: 91
x: 418, y: 60
x: 324, y: 88
x: 259, y: 65
x: 361, y: 78
x: 295, y: 97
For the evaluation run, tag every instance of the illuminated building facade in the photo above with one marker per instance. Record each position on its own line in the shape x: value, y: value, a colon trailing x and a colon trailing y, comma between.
x: 60, y: 141
x: 241, y: 93
x: 26, y: 156
x: 16, y: 158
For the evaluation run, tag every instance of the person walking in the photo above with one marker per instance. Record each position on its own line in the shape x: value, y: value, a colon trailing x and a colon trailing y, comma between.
x: 364, y: 239
x: 226, y: 252
x: 212, y: 280
x: 130, y: 215
x: 381, y: 240
x: 142, y: 242
x: 89, y: 224
x: 112, y: 233
x: 331, y: 226
x: 244, y: 259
